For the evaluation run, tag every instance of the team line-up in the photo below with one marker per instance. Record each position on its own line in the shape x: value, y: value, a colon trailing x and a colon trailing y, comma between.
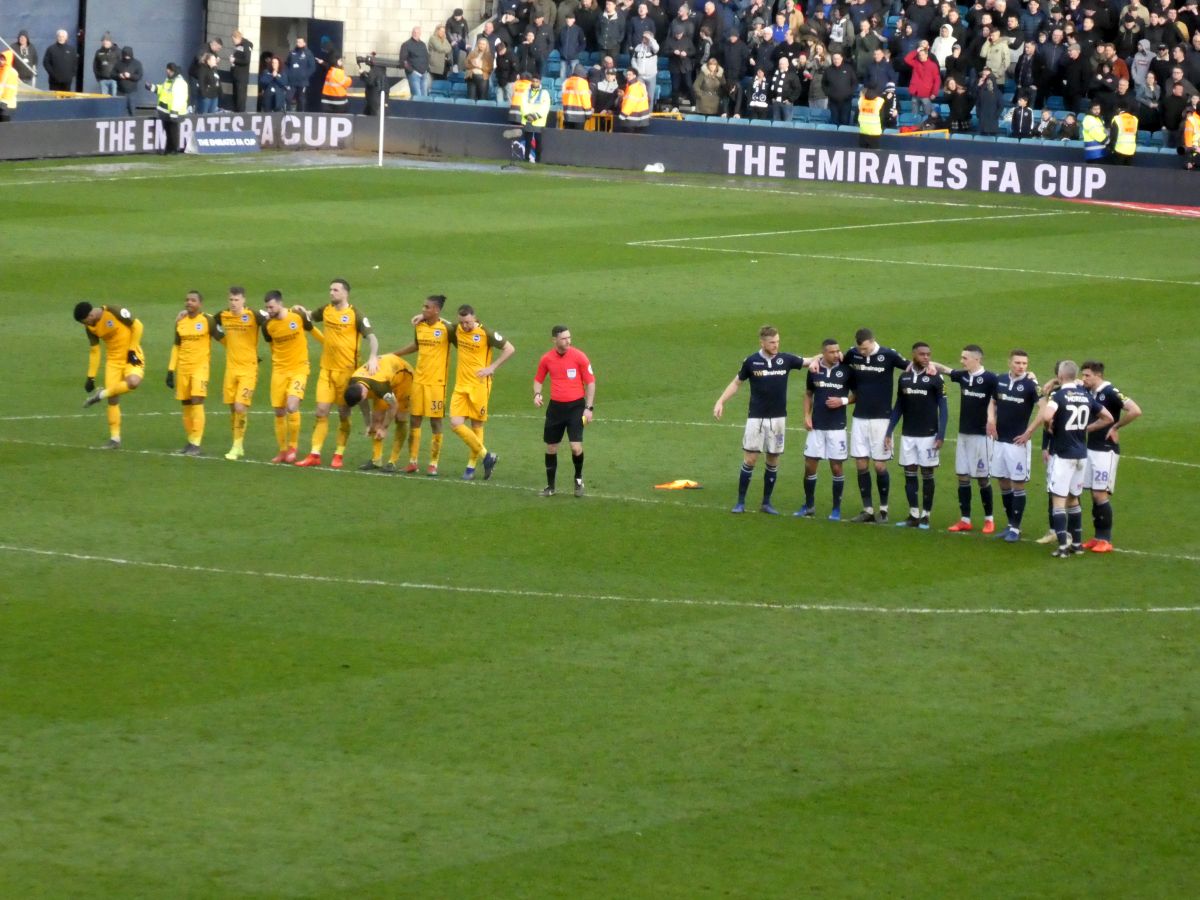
x: 1081, y: 415
x: 399, y: 394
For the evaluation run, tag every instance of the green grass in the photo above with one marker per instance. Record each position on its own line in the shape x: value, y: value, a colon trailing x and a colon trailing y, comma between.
x: 307, y: 683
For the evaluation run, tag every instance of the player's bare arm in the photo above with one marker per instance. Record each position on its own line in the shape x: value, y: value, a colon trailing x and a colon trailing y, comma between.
x: 505, y: 352
x: 730, y: 390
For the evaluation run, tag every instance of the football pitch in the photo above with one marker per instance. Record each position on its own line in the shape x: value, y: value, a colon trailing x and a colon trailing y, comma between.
x: 230, y: 679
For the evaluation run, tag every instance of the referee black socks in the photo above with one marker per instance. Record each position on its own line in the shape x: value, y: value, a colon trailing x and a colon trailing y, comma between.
x: 578, y: 460
x: 551, y: 468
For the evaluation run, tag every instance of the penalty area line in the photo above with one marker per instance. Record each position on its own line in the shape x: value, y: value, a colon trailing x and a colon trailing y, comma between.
x: 603, y: 598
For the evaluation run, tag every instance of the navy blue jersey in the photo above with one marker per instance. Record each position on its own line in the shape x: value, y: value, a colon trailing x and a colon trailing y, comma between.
x: 768, y: 382
x: 873, y: 380
x: 1113, y: 400
x: 921, y: 402
x: 1076, y: 410
x: 1015, y: 400
x: 834, y: 381
x: 977, y: 391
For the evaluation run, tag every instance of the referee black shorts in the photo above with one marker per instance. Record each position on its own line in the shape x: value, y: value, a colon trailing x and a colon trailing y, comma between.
x: 562, y: 417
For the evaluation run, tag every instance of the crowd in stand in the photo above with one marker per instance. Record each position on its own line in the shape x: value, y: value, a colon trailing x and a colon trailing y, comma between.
x: 1031, y: 69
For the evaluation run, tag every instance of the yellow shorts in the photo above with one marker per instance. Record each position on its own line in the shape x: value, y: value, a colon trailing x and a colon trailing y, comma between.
x: 428, y: 400
x: 332, y: 384
x: 116, y: 372
x: 470, y: 404
x: 239, y: 387
x: 192, y: 385
x: 287, y: 384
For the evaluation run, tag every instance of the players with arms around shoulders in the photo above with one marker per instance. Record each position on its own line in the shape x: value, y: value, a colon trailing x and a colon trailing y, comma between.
x: 921, y: 403
x: 1013, y: 401
x: 829, y: 390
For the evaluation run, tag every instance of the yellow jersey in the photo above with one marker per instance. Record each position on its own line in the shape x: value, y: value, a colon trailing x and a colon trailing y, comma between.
x: 433, y: 356
x: 241, y: 338
x: 474, y: 353
x: 115, y: 329
x: 193, y: 342
x: 289, y: 344
x: 342, y: 330
x: 394, y: 376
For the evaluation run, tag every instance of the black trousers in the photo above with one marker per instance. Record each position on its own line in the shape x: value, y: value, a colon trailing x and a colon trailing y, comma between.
x: 171, y: 127
x: 241, y: 77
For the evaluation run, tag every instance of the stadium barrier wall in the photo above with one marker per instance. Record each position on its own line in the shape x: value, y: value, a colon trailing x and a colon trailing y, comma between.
x: 126, y: 135
x: 830, y: 157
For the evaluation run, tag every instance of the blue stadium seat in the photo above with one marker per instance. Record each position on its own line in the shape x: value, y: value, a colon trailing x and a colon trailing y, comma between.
x: 1143, y: 137
x: 1007, y: 140
x: 553, y: 60
x: 852, y: 128
x: 758, y: 121
x: 623, y: 60
x: 456, y: 77
x: 1054, y: 102
x: 692, y: 117
x: 458, y: 89
x: 818, y: 115
x: 825, y: 126
x: 1078, y: 145
x: 1156, y: 138
x: 440, y: 88
x: 801, y: 114
x: 988, y: 138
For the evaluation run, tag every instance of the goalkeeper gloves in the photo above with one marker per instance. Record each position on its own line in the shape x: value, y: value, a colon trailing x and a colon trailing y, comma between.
x: 133, y: 358
x: 89, y: 385
x: 171, y: 380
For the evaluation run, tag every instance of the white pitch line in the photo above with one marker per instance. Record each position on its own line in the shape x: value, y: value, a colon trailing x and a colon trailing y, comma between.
x: 940, y: 221
x: 608, y: 598
x: 797, y: 429
x: 524, y: 489
x: 875, y: 260
x: 841, y: 195
x: 198, y: 173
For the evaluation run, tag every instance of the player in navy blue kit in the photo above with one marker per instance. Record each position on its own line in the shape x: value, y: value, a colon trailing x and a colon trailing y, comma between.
x: 767, y: 371
x: 1071, y: 413
x: 873, y: 366
x: 921, y: 403
x: 829, y: 392
x: 1013, y: 400
x: 1104, y: 451
x: 973, y: 451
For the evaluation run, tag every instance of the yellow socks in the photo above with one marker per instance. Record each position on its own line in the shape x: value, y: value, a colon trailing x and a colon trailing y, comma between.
x: 435, y: 449
x: 474, y: 461
x: 398, y: 442
x: 472, y: 441
x: 196, y: 434
x: 114, y: 422
x: 343, y: 436
x: 281, y: 428
x: 293, y: 430
x: 414, y: 443
x: 320, y: 430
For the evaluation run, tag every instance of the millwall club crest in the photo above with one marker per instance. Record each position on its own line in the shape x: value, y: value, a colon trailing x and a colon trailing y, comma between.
x: 879, y: 358
x: 778, y: 361
x: 924, y: 379
x: 1020, y: 388
x: 838, y: 375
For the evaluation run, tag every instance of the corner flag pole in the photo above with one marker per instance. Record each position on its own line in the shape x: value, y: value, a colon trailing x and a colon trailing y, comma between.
x: 382, y: 113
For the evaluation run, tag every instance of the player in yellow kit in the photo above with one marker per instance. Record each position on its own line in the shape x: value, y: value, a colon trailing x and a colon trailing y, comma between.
x: 345, y: 327
x: 473, y: 385
x: 124, y: 363
x: 431, y: 337
x: 285, y: 330
x: 241, y: 327
x: 390, y: 388
x: 187, y: 372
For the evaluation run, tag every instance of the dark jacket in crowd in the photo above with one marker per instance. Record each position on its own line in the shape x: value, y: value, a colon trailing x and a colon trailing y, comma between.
x: 987, y: 107
x: 881, y: 74
x: 131, y: 69
x: 1024, y: 124
x: 572, y: 43
x: 60, y: 62
x: 610, y: 32
x: 735, y: 59
x: 784, y: 87
x: 28, y: 55
x: 104, y: 63
x: 210, y: 82
x: 300, y: 67
x: 272, y: 91
x: 679, y: 63
x: 960, y: 104
x: 414, y: 56
x: 840, y: 82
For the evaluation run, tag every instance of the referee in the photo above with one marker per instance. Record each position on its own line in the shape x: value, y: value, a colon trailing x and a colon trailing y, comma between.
x: 572, y: 399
